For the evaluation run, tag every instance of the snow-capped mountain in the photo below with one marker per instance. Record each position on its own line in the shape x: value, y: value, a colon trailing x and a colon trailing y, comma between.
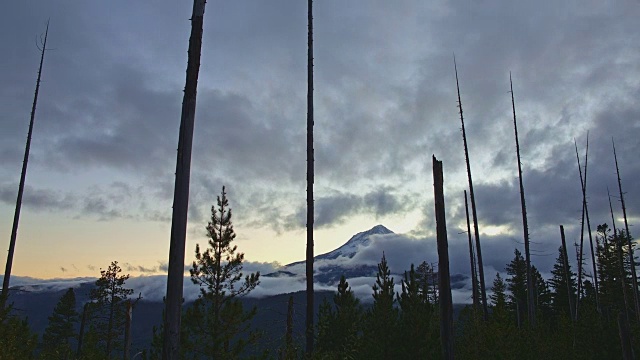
x: 329, y: 267
x: 357, y: 241
x: 349, y: 249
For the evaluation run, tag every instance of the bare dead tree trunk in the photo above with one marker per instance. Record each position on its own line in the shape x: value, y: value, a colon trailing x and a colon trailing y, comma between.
x: 485, y: 310
x: 81, y: 333
x: 525, y: 227
x: 583, y: 184
x: 127, y: 331
x: 565, y: 264
x: 634, y: 276
x: 586, y: 211
x: 625, y: 338
x: 618, y: 244
x: 310, y: 175
x: 472, y: 256
x: 175, y: 277
x: 579, y: 261
x: 23, y: 175
x: 444, y: 280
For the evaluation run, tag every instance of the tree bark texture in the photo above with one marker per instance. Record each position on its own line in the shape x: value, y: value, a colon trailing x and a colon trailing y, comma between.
x: 525, y: 227
x: 444, y: 280
x: 483, y: 293
x: 23, y: 175
x: 175, y: 277
x: 472, y: 256
x: 310, y: 176
x: 634, y: 276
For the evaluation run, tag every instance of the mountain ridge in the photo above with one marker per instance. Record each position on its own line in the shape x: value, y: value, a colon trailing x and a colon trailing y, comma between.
x: 360, y: 239
x: 330, y: 269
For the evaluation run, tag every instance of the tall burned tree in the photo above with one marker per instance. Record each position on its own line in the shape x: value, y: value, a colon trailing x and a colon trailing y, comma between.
x: 483, y: 292
x: 310, y: 173
x: 525, y: 227
x: 583, y: 184
x: 444, y: 280
x: 567, y: 274
x: 618, y: 243
x: 580, y: 262
x: 175, y: 278
x: 472, y: 256
x: 634, y: 276
x: 23, y: 174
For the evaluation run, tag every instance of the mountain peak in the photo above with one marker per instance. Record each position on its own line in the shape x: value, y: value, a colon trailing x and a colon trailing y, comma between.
x: 349, y: 249
x: 378, y: 229
x: 358, y: 240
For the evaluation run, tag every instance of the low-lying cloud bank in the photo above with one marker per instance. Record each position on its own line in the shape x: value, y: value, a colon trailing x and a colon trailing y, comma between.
x: 153, y: 288
x: 399, y: 250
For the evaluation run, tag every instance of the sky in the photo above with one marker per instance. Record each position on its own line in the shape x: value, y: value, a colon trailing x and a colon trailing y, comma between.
x: 100, y: 180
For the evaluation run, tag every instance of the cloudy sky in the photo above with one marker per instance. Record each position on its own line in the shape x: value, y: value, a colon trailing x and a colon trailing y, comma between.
x: 100, y: 180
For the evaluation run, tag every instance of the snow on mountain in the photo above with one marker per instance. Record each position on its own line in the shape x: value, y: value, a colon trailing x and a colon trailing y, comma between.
x: 359, y: 240
x: 329, y: 267
x: 349, y: 249
x: 347, y: 260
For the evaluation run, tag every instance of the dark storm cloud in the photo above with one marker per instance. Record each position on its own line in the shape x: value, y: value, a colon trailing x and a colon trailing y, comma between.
x: 385, y: 101
x: 498, y: 203
x: 101, y: 202
x: 236, y: 139
x: 349, y: 132
x: 100, y: 208
x: 335, y: 209
x: 38, y: 199
x: 382, y: 202
x: 130, y: 128
x: 552, y: 194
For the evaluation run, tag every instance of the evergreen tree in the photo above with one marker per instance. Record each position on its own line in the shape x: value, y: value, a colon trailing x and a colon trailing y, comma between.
x: 418, y: 331
x: 17, y: 342
x: 558, y: 284
x: 216, y: 320
x: 517, y: 286
x: 542, y: 294
x: 427, y: 281
x: 501, y: 316
x: 498, y: 296
x: 61, y: 329
x: 589, y: 296
x: 155, y: 349
x: 93, y: 344
x: 108, y: 308
x: 289, y: 350
x: 339, y: 332
x: 380, y: 330
x: 611, y: 270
